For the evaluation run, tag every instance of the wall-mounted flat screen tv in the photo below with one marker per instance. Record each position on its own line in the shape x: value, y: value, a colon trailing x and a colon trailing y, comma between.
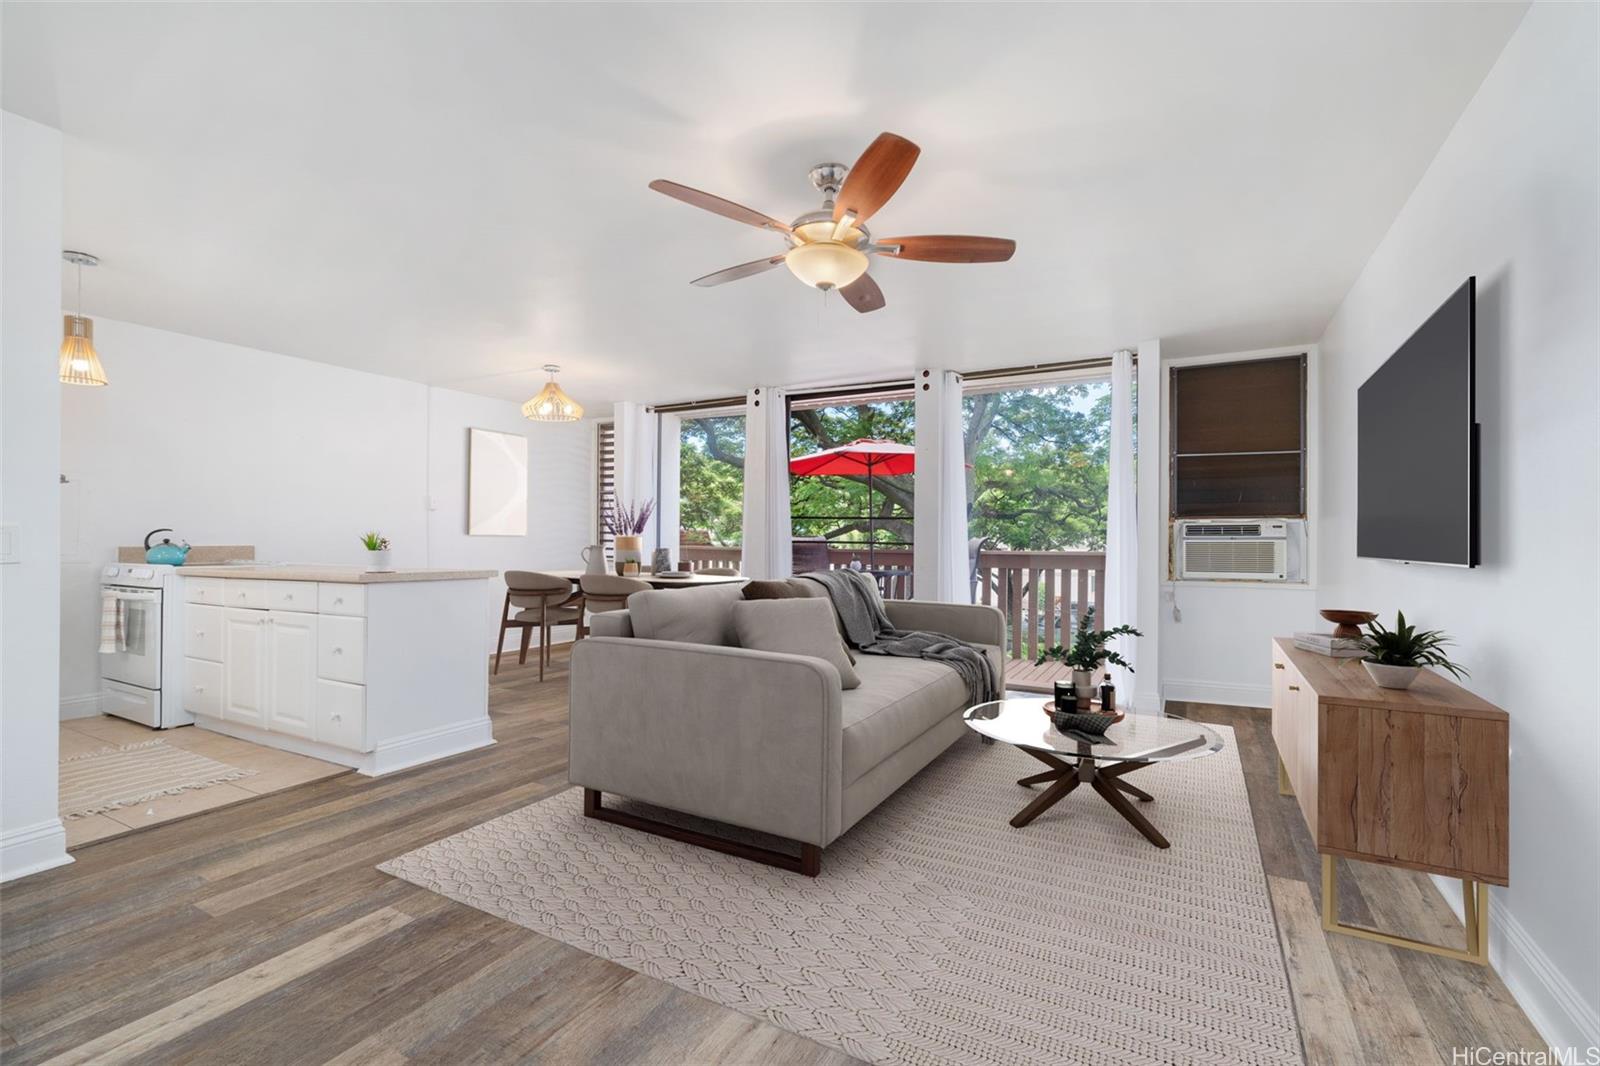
x: 1417, y: 445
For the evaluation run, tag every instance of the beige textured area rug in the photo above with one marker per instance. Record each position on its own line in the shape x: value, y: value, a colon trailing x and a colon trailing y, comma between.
x: 133, y: 773
x: 936, y: 932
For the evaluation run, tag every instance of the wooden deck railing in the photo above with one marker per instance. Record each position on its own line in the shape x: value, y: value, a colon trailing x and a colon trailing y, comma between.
x: 1041, y: 593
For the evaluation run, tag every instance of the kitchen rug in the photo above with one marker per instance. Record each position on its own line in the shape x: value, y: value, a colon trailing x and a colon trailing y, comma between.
x: 936, y: 933
x: 117, y: 777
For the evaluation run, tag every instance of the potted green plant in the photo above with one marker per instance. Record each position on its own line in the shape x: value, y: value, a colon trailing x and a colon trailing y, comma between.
x: 377, y: 546
x: 1395, y: 656
x: 1088, y: 653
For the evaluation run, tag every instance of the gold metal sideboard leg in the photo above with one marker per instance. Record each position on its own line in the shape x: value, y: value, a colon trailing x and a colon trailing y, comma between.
x: 1474, y: 909
x: 1285, y: 787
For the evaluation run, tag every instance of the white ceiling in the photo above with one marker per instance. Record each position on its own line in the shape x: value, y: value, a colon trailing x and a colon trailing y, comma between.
x: 456, y: 193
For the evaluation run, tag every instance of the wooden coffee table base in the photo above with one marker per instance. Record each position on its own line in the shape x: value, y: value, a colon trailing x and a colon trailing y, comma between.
x: 1063, y: 777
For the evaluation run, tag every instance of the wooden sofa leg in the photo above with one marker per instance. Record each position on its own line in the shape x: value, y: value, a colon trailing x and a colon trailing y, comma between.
x: 808, y: 862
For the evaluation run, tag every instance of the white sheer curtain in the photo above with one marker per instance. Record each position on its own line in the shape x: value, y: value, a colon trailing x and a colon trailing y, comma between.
x: 767, y: 549
x: 940, y: 519
x: 1122, y: 527
x: 636, y: 428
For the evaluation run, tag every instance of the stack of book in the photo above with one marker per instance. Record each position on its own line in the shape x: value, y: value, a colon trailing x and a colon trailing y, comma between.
x: 1328, y: 644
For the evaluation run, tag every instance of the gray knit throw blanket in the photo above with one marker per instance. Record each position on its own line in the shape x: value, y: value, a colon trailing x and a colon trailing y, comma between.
x: 866, y: 625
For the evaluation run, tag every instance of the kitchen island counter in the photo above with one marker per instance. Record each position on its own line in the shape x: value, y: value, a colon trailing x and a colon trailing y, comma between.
x: 350, y: 575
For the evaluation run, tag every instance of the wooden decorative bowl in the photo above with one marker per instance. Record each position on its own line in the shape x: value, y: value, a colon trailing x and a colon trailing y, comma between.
x: 1348, y: 623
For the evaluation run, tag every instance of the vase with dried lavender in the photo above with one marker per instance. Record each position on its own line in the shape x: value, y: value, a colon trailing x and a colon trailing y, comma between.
x: 626, y: 522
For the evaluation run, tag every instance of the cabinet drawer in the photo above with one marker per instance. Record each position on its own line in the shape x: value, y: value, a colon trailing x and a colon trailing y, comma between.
x: 202, y: 632
x: 341, y: 599
x: 203, y: 589
x: 341, y: 649
x: 239, y: 592
x: 202, y: 689
x: 292, y: 596
x: 341, y: 714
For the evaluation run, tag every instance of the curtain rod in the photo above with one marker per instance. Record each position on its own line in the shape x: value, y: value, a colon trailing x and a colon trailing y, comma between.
x: 1039, y: 368
x: 697, y: 405
x: 873, y: 388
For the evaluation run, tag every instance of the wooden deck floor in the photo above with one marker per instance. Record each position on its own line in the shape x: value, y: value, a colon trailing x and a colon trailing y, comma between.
x: 1024, y: 675
x: 263, y: 934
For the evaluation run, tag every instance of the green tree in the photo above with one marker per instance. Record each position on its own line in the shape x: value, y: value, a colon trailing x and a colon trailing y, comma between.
x: 711, y: 477
x: 1037, y: 465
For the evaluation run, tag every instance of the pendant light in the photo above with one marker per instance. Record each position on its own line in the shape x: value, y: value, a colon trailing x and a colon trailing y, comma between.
x: 80, y: 363
x: 552, y: 405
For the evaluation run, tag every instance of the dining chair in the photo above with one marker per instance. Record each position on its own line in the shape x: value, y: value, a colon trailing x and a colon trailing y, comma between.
x: 720, y: 571
x: 543, y: 601
x: 810, y: 554
x: 607, y: 592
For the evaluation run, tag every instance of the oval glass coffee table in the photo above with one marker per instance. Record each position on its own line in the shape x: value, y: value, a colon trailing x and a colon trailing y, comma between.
x: 1139, y: 740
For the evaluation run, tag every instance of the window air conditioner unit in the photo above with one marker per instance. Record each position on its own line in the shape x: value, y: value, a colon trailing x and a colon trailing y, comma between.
x: 1239, y: 549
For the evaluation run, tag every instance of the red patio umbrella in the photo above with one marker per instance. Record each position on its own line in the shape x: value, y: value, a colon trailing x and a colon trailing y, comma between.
x: 865, y: 456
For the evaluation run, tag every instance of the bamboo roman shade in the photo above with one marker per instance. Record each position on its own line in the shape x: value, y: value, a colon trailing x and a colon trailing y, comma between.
x: 1238, y: 439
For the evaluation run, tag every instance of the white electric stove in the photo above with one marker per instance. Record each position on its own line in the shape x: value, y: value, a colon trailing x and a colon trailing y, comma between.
x: 140, y: 680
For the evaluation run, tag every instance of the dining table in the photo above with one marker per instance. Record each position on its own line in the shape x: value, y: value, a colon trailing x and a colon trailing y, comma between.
x: 661, y: 581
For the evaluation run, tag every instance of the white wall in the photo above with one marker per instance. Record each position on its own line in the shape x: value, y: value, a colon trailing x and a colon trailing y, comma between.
x: 1215, y: 649
x: 1511, y: 198
x: 31, y: 837
x: 231, y: 445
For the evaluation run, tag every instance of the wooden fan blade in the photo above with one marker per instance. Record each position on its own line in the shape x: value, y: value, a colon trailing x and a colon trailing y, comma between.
x: 876, y: 176
x: 718, y: 206
x: 947, y: 249
x: 743, y: 270
x: 863, y: 294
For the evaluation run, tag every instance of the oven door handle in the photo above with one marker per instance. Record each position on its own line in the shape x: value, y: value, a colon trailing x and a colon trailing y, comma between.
x: 135, y: 594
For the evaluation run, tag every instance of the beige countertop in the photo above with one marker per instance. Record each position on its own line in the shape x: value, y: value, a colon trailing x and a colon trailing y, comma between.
x: 351, y: 575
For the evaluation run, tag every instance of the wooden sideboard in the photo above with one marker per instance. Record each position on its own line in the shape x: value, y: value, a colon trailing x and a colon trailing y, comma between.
x: 1417, y: 778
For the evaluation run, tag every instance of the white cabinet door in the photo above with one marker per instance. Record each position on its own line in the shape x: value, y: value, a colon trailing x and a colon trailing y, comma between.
x: 291, y: 672
x: 244, y: 667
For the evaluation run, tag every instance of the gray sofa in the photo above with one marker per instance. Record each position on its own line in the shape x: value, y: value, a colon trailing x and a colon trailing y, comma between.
x: 666, y: 709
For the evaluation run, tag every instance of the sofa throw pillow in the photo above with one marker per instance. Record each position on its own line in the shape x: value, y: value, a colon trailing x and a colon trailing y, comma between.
x: 781, y: 589
x: 799, y: 626
x: 691, y: 616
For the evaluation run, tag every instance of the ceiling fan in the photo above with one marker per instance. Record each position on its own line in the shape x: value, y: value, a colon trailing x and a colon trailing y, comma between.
x: 828, y: 248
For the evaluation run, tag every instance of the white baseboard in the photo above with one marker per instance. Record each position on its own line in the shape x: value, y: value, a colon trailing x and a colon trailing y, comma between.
x: 1217, y: 692
x: 428, y: 745
x: 32, y: 849
x: 401, y: 753
x: 80, y: 706
x: 1550, y: 1001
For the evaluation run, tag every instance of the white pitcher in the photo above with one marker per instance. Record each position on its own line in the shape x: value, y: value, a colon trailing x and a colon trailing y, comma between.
x: 594, y: 559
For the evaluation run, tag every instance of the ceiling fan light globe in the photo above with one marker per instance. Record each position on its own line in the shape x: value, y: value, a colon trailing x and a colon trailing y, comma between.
x: 826, y: 264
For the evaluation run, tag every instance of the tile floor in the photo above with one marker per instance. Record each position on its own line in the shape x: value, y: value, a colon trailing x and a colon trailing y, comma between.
x: 275, y: 770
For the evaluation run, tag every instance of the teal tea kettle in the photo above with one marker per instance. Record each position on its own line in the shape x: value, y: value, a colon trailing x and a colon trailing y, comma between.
x: 166, y: 553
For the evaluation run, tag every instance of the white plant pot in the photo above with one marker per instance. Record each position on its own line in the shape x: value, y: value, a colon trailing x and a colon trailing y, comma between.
x: 1385, y: 676
x: 378, y: 562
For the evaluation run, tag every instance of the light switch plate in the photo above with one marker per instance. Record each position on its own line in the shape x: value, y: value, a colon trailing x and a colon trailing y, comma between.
x: 10, y: 551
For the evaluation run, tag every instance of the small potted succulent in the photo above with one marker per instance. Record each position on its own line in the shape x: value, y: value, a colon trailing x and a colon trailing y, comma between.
x: 625, y: 524
x: 1395, y: 656
x: 1088, y: 653
x: 377, y: 546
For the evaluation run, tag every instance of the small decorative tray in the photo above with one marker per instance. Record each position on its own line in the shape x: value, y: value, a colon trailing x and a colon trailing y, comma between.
x: 677, y: 574
x: 1081, y: 721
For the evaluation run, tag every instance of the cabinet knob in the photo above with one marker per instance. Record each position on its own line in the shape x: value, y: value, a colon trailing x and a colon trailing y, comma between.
x: 337, y: 600
x: 199, y: 688
x: 288, y: 596
x: 335, y: 717
x: 1277, y: 666
x: 338, y: 650
x: 199, y: 632
x: 1294, y: 688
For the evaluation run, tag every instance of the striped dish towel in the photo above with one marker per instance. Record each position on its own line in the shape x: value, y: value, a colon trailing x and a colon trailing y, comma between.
x: 112, y: 639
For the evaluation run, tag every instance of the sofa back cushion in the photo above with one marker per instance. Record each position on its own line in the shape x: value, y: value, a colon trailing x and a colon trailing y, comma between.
x: 689, y: 616
x: 798, y: 626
